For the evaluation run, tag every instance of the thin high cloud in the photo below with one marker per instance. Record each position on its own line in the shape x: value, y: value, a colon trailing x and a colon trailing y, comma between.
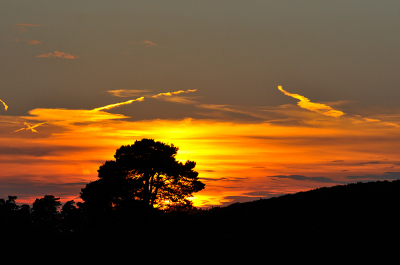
x: 32, y: 128
x: 234, y: 109
x: 182, y: 100
x: 58, y: 54
x: 146, y: 43
x: 359, y: 119
x: 21, y: 26
x: 65, y: 117
x: 134, y: 92
x: 168, y: 94
x: 160, y: 95
x: 34, y: 42
x: 30, y: 42
x: 29, y: 25
x: 305, y: 103
x: 123, y: 93
x: 5, y: 105
x: 111, y: 106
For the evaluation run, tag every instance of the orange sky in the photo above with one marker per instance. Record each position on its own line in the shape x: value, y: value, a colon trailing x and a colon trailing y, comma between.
x: 268, y: 97
x: 238, y: 160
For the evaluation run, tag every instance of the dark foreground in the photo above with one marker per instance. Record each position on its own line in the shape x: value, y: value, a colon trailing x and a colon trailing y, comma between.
x: 343, y: 224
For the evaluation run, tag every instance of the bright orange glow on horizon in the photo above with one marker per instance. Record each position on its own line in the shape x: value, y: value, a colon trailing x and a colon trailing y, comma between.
x: 236, y: 160
x: 233, y: 158
x: 267, y: 98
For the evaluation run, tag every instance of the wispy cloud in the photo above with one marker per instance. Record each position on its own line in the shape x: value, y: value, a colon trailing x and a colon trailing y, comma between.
x: 29, y: 25
x: 32, y: 128
x: 111, y: 106
x: 5, y: 105
x: 33, y: 42
x: 124, y: 93
x: 359, y: 119
x: 65, y: 117
x: 305, y: 103
x: 146, y: 43
x: 160, y: 95
x: 234, y: 109
x: 30, y: 42
x: 127, y: 92
x: 168, y: 94
x: 21, y: 26
x: 182, y: 100
x: 58, y: 54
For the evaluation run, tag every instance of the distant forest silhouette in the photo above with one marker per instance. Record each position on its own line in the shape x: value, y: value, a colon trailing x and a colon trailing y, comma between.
x: 139, y: 212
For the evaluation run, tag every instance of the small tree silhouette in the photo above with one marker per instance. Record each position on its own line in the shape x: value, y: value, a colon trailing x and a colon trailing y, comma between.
x: 145, y: 174
x: 45, y: 212
x: 71, y: 217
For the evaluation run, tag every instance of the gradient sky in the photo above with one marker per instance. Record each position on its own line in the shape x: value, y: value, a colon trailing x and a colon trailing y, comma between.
x: 268, y: 97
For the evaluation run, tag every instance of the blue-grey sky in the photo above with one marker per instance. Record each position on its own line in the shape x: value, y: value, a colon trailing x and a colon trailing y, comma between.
x: 233, y: 52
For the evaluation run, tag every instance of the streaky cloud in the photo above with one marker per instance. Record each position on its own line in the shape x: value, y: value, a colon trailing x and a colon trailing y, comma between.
x: 29, y: 25
x: 111, y: 106
x: 305, y: 103
x: 28, y: 127
x: 58, y: 54
x: 304, y: 178
x: 386, y: 175
x: 147, y: 43
x: 5, y: 105
x: 182, y: 100
x: 233, y: 109
x: 127, y: 92
x: 168, y: 94
x: 33, y: 42
x: 65, y: 117
x: 359, y: 119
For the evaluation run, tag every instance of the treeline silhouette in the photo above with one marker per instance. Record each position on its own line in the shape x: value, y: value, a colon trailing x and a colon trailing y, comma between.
x: 347, y: 224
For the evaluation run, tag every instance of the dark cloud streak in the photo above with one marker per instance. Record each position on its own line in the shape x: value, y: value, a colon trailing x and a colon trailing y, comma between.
x: 304, y: 178
x: 386, y: 175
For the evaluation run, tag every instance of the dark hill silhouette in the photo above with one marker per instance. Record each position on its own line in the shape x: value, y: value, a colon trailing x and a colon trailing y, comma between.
x: 351, y: 222
x: 347, y: 224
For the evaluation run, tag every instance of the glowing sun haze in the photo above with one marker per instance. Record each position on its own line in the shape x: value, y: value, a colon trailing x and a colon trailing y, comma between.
x: 267, y: 97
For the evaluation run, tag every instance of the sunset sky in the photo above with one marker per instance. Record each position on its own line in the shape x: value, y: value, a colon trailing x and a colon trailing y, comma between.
x: 267, y: 97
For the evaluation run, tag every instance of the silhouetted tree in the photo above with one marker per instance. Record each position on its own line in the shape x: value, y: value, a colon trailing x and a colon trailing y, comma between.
x: 10, y: 203
x: 68, y: 208
x: 71, y: 216
x: 14, y: 219
x: 143, y: 174
x: 45, y: 212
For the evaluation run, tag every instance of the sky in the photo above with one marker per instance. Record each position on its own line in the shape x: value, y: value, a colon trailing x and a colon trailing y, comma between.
x: 267, y: 97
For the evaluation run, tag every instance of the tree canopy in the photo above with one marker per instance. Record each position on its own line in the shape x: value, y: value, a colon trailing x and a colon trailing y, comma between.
x: 143, y: 174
